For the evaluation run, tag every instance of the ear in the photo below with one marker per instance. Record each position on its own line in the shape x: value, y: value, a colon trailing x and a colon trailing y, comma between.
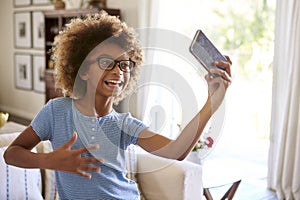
x: 84, y: 76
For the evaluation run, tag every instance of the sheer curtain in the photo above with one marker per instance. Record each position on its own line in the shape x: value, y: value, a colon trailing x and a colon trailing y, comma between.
x: 284, y: 155
x: 158, y: 98
x: 154, y: 94
x: 146, y: 17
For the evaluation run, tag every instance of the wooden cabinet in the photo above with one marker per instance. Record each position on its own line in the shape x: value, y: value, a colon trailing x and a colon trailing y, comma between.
x: 55, y: 20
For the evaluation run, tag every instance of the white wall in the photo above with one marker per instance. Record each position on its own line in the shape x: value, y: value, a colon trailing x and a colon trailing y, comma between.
x: 27, y: 103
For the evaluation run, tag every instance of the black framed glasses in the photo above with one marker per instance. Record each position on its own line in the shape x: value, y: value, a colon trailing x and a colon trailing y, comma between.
x: 108, y: 64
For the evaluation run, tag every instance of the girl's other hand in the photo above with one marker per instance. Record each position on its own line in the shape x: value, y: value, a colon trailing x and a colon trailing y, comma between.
x: 66, y: 159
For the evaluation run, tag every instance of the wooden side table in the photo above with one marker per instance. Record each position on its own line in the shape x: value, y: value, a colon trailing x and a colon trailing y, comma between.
x: 228, y: 195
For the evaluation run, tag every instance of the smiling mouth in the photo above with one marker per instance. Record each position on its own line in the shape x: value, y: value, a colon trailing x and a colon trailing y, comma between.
x: 113, y: 82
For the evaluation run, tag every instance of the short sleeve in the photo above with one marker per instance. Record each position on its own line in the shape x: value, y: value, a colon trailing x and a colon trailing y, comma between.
x: 133, y: 127
x: 42, y: 124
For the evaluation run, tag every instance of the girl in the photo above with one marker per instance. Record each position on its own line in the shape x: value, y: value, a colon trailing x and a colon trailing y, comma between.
x: 97, y: 60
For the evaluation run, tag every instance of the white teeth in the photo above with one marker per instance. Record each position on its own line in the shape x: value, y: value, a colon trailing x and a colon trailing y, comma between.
x: 113, y: 81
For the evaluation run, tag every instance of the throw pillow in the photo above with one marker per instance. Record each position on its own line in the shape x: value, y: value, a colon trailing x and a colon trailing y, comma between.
x: 19, y: 183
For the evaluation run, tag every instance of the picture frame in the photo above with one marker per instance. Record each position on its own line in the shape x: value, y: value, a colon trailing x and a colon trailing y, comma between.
x: 41, y: 2
x: 39, y: 73
x: 22, y: 29
x: 38, y: 30
x: 23, y: 71
x: 20, y: 3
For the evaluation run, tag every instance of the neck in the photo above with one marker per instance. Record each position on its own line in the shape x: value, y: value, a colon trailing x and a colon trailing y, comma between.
x: 94, y: 107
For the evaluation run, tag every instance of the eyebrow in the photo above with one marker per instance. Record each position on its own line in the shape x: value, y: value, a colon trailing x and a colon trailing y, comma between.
x: 109, y: 56
x: 105, y: 55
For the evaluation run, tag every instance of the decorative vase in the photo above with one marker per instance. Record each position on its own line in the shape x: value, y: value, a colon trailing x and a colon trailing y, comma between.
x: 59, y: 5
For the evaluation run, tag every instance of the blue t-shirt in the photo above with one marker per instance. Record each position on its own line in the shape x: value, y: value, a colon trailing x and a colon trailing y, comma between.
x: 113, y: 132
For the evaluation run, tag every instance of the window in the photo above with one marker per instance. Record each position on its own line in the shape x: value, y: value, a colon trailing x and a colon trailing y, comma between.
x: 245, y: 31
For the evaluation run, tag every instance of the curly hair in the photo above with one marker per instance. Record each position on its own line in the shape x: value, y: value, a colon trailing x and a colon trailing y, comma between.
x: 79, y: 38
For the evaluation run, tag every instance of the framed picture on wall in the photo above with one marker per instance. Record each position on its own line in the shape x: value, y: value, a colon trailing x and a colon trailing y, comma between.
x: 41, y: 2
x: 19, y: 3
x: 39, y: 73
x: 23, y: 71
x: 38, y: 30
x: 22, y: 29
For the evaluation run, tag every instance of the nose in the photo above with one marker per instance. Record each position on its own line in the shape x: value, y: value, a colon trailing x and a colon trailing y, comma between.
x: 117, y: 70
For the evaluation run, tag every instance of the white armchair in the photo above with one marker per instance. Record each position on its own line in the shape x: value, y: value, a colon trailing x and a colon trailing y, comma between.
x: 161, y: 178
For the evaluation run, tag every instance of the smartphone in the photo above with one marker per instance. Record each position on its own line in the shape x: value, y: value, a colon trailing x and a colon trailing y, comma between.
x: 205, y: 51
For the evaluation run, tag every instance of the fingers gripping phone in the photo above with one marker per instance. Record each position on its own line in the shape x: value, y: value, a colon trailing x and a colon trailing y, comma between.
x: 205, y: 51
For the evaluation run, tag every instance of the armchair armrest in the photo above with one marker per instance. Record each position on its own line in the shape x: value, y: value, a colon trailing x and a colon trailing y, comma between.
x: 161, y: 178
